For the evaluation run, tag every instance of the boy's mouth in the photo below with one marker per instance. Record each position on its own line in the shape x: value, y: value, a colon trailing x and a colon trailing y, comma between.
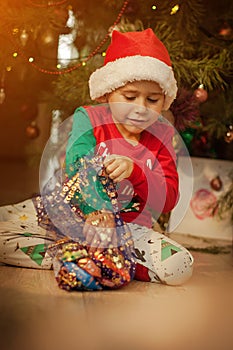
x: 136, y: 121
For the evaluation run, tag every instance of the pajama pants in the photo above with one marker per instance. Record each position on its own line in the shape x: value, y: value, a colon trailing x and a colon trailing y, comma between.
x: 23, y: 243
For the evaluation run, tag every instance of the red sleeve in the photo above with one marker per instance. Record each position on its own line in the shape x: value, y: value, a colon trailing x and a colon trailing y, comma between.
x: 158, y: 186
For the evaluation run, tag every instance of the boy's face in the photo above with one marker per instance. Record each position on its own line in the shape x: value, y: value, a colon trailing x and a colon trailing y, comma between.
x: 135, y: 107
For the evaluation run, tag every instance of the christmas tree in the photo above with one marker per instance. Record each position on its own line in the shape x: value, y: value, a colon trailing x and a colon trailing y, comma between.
x: 197, y: 33
x: 201, y: 51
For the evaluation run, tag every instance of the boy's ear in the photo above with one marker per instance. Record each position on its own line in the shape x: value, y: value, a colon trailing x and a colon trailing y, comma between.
x: 102, y: 99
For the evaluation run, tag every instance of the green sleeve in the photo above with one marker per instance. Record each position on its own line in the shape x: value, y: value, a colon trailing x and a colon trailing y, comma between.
x: 81, y: 143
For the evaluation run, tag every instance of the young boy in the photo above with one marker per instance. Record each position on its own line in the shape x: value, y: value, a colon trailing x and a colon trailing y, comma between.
x: 136, y: 83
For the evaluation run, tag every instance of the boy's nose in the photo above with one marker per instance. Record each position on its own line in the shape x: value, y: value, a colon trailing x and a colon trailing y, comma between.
x: 141, y: 106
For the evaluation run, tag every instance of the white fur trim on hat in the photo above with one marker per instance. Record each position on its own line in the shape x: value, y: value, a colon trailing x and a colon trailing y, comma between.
x: 133, y: 68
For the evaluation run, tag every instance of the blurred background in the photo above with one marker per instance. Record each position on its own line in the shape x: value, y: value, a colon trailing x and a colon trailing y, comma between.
x: 49, y: 48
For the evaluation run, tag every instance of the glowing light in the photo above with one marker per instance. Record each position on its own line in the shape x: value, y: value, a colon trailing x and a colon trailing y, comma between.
x: 103, y: 54
x: 58, y: 66
x: 154, y: 7
x: 91, y: 55
x: 31, y: 59
x: 15, y: 54
x: 24, y: 37
x: 15, y: 31
x: 8, y: 69
x: 175, y: 9
x: 2, y: 95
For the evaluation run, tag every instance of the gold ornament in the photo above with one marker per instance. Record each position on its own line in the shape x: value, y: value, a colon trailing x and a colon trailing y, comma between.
x: 32, y: 130
x: 2, y: 95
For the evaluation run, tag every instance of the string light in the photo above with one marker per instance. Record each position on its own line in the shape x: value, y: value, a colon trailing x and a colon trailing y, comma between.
x: 154, y: 7
x: 24, y: 37
x: 15, y: 31
x: 15, y: 54
x: 91, y: 55
x: 174, y: 9
x: 103, y: 54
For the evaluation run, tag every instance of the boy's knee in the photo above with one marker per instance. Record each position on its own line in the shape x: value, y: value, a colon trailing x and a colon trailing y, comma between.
x: 176, y: 270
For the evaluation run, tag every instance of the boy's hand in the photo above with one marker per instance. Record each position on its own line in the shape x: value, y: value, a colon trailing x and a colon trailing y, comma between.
x: 100, y: 231
x: 118, y: 167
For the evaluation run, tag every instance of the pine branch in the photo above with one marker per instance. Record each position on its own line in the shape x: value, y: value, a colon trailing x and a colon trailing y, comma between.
x: 192, y: 69
x: 218, y: 114
x: 20, y: 16
x: 190, y: 14
x: 215, y: 127
x: 71, y: 90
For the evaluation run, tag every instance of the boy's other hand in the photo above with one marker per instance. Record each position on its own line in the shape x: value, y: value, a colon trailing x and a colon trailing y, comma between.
x: 100, y: 231
x: 118, y: 167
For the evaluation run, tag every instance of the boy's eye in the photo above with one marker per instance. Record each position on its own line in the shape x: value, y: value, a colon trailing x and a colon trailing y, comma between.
x: 152, y: 100
x: 130, y: 98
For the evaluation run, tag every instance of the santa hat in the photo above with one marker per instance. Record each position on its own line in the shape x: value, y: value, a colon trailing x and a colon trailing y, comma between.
x: 134, y: 56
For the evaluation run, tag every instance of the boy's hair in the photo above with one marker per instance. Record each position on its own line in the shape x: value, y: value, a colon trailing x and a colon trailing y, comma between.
x: 134, y: 56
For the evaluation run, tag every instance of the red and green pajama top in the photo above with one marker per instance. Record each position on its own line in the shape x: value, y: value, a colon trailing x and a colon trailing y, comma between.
x: 153, y: 184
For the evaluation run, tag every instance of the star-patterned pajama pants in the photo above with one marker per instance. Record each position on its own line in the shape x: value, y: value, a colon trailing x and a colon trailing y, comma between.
x: 23, y: 243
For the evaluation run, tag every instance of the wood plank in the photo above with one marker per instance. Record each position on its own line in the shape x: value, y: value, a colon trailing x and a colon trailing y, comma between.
x: 35, y: 314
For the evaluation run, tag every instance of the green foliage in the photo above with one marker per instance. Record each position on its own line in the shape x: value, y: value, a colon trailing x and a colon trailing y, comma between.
x: 191, y: 67
x: 218, y: 113
x: 199, y: 53
x: 209, y: 71
x: 184, y: 21
x: 71, y: 90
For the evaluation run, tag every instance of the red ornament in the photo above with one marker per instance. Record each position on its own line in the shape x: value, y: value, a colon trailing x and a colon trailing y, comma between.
x: 216, y: 183
x: 201, y: 94
x: 32, y: 130
x: 226, y: 30
x: 229, y: 134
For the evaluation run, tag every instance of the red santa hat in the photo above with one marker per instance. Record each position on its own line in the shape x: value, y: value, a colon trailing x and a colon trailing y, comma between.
x: 134, y: 56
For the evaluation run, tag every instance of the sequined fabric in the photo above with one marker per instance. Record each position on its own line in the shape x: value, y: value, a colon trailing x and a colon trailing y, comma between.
x: 93, y: 249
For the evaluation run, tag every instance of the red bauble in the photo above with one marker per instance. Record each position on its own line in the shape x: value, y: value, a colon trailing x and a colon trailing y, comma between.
x: 226, y: 30
x: 229, y: 137
x: 229, y: 134
x: 201, y: 94
x: 216, y: 184
x: 32, y: 131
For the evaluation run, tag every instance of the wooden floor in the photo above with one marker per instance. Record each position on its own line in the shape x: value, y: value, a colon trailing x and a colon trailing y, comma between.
x: 35, y: 314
